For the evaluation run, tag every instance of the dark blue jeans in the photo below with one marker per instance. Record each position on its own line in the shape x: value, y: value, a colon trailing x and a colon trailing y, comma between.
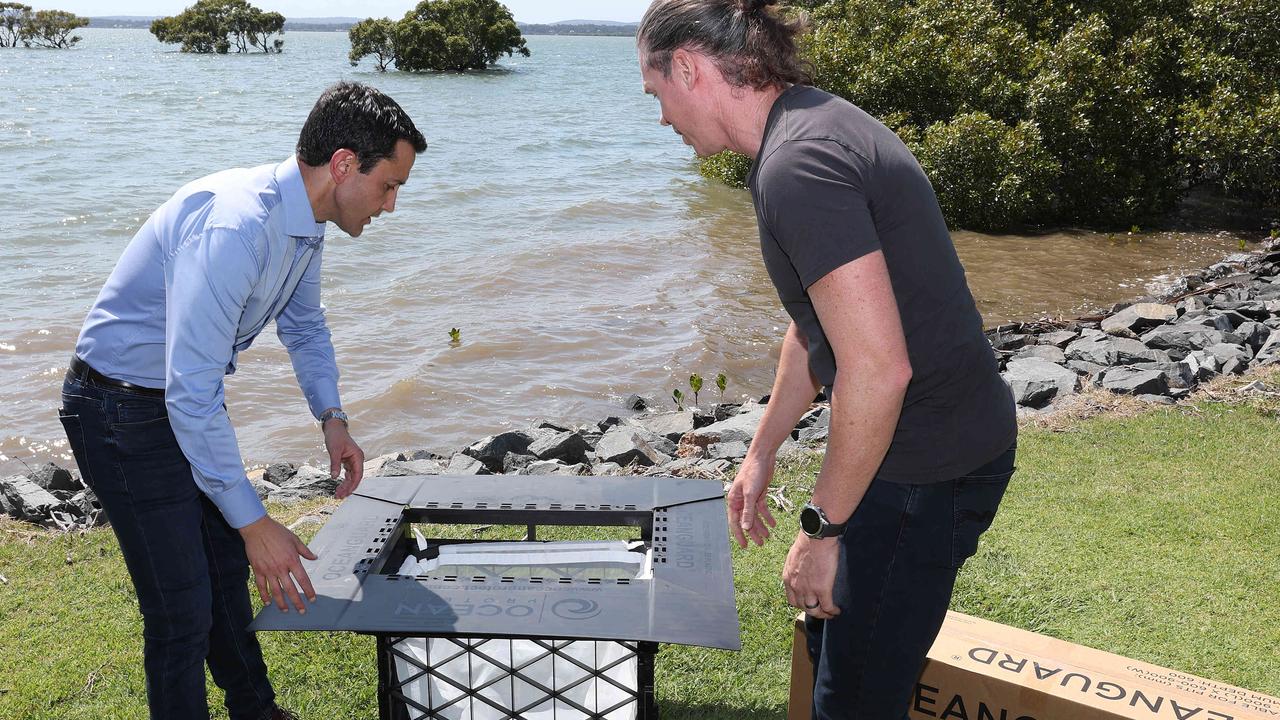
x: 188, y: 565
x: 898, y: 562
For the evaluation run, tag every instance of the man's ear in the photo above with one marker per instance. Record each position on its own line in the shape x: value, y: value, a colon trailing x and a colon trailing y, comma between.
x: 684, y: 68
x: 343, y: 165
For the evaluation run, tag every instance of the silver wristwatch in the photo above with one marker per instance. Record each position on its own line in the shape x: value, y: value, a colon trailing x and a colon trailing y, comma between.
x: 333, y: 414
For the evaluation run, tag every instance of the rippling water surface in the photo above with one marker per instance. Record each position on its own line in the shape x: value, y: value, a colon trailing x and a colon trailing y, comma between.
x: 552, y: 220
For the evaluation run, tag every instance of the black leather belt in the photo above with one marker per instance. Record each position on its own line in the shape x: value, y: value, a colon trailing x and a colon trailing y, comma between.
x: 81, y: 371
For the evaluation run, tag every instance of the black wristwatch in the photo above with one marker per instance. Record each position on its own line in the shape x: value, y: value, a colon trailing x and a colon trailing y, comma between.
x: 814, y: 523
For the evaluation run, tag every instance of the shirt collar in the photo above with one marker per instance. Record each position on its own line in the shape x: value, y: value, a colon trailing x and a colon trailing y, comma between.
x: 299, y: 220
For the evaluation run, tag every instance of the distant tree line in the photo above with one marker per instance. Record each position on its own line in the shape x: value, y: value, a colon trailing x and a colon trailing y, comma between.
x: 439, y: 35
x: 1036, y: 112
x: 580, y: 29
x: 218, y: 26
x: 19, y: 24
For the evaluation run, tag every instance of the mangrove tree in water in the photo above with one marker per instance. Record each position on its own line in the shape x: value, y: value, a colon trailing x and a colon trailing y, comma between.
x: 440, y: 35
x: 41, y: 28
x: 218, y: 26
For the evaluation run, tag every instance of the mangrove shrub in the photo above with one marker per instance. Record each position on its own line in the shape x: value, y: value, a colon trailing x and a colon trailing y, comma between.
x: 440, y: 35
x: 1100, y: 112
x: 41, y: 28
x: 218, y: 26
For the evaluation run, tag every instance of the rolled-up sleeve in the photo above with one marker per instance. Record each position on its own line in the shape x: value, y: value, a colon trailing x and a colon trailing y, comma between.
x: 207, y: 282
x: 302, y: 330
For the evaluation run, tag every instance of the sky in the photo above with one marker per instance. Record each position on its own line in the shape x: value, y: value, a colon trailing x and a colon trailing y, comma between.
x: 529, y: 11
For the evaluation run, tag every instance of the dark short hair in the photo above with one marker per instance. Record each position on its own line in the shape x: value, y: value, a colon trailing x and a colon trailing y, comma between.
x: 361, y: 119
x: 752, y: 44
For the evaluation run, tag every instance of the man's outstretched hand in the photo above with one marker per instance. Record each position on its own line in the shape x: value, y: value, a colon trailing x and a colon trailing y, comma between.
x: 274, y: 552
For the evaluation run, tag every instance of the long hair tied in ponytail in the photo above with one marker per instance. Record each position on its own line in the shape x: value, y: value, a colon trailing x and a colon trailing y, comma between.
x: 753, y: 44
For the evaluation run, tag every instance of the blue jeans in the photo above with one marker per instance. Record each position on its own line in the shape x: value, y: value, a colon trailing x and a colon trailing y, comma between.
x: 188, y: 565
x: 898, y: 562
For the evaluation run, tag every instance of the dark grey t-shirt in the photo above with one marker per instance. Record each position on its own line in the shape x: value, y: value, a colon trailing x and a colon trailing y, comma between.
x: 831, y: 184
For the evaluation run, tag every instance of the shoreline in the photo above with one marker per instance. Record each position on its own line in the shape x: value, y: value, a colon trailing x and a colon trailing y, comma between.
x: 1222, y: 321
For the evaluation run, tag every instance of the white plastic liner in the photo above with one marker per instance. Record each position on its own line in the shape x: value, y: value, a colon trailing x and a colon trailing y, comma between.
x: 603, y: 559
x: 513, y: 692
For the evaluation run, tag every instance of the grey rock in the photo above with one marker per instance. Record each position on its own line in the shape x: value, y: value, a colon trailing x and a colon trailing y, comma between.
x: 609, y: 422
x: 263, y: 487
x: 1157, y: 399
x: 606, y: 468
x: 635, y: 402
x: 681, y: 465
x: 817, y: 417
x: 551, y: 467
x: 5, y: 508
x: 1136, y: 318
x: 1182, y: 339
x: 1270, y: 351
x: 1084, y: 367
x: 740, y: 427
x: 816, y: 434
x: 86, y: 501
x: 1036, y: 382
x: 1007, y: 341
x: 568, y: 447
x: 410, y: 468
x: 373, y: 468
x: 1202, y: 365
x: 278, y: 474
x: 513, y: 463
x: 424, y: 455
x: 1207, y: 318
x: 1254, y: 334
x: 492, y: 451
x: 51, y: 477
x: 1052, y: 353
x: 27, y: 500
x: 1234, y: 366
x: 735, y: 450
x: 625, y: 445
x: 1225, y: 352
x: 1191, y: 304
x: 289, y: 496
x: 724, y: 411
x: 1181, y: 374
x: 462, y: 464
x: 671, y: 425
x: 1132, y: 381
x: 719, y: 466
x: 1107, y: 350
x: 1058, y: 338
x: 311, y: 482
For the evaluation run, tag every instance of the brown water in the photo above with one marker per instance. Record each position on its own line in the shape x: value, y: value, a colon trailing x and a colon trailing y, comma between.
x: 553, y: 221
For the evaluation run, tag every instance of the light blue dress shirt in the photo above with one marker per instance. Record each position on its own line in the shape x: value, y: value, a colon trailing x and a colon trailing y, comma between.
x: 210, y: 268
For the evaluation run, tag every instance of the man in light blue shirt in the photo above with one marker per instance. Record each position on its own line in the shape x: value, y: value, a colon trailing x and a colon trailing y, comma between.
x: 143, y: 402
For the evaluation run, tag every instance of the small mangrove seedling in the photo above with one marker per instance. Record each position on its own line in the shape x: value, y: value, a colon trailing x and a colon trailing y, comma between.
x: 695, y: 384
x: 1242, y: 244
x: 721, y: 382
x: 1133, y: 230
x: 1275, y: 234
x: 455, y: 337
x: 679, y: 398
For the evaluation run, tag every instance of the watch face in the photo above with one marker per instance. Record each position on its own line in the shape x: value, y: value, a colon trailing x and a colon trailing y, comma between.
x: 810, y: 520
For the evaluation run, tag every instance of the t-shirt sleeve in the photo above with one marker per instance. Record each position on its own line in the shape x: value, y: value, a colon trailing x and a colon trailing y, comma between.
x: 812, y: 200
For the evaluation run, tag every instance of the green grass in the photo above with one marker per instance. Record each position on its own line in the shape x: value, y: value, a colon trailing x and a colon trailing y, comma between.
x: 1156, y: 536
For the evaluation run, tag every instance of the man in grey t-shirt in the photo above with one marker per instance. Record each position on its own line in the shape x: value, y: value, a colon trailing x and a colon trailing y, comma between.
x: 923, y: 430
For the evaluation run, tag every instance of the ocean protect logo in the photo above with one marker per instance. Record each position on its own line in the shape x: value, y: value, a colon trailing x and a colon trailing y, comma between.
x: 575, y: 609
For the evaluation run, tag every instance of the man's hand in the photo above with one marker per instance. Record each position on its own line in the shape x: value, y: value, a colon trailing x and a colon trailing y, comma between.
x: 748, y: 506
x: 809, y: 575
x: 343, y: 453
x: 273, y: 553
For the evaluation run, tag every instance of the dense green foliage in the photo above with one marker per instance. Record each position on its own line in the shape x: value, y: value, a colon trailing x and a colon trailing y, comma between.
x: 41, y: 28
x: 1045, y: 111
x: 217, y: 26
x: 376, y: 38
x: 440, y: 35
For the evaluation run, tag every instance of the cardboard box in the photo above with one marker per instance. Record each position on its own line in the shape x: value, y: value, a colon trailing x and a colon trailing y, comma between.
x: 980, y: 670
